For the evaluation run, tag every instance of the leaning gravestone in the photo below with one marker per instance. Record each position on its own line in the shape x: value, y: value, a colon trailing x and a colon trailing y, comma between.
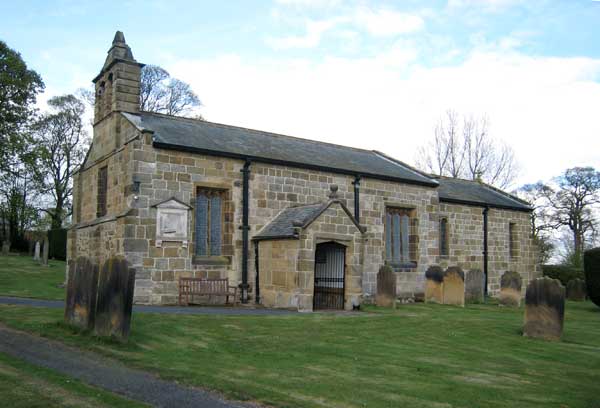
x: 453, y: 288
x: 82, y: 282
x: 36, y: 253
x: 576, y: 290
x: 510, y: 289
x: 115, y: 299
x: 5, y: 247
x: 474, y: 286
x: 45, y: 252
x: 544, y: 309
x: 386, y: 287
x: 434, y: 277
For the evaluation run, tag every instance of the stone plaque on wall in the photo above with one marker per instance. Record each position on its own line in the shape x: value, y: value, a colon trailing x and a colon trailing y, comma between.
x: 172, y: 222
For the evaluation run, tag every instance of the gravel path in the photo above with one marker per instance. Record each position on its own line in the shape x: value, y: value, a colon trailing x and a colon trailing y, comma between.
x: 204, y: 310
x: 106, y: 373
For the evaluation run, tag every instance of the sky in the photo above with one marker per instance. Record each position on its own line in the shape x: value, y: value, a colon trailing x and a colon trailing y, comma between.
x: 370, y: 74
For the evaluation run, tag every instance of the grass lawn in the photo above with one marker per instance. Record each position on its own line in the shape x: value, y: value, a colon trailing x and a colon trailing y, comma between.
x: 25, y: 385
x: 416, y: 356
x: 23, y: 277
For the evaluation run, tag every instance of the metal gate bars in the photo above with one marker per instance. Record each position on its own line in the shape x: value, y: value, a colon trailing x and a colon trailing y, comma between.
x: 330, y: 265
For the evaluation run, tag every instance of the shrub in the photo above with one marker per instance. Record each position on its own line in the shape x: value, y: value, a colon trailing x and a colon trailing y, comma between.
x: 591, y: 262
x: 563, y: 273
x: 58, y: 244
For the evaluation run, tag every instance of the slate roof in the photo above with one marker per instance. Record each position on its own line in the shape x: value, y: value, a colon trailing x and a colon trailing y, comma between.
x: 283, y: 226
x: 472, y: 192
x: 177, y: 133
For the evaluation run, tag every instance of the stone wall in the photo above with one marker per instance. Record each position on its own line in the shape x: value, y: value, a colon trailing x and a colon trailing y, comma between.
x: 465, y: 233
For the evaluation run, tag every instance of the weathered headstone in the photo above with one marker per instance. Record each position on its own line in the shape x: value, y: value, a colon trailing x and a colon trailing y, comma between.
x: 45, y: 251
x: 576, y: 290
x: 80, y: 305
x: 474, y: 286
x: 5, y: 247
x: 453, y: 288
x: 544, y: 309
x: 115, y: 299
x: 36, y: 253
x: 434, y: 277
x: 510, y: 289
x: 386, y: 287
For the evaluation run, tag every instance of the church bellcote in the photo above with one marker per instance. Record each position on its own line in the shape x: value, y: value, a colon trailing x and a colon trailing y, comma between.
x: 118, y: 83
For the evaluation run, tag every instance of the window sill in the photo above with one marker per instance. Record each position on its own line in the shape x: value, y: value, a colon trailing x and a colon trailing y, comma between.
x: 211, y: 260
x: 402, y: 266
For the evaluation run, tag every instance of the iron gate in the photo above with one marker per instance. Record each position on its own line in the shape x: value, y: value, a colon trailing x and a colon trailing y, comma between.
x: 330, y: 266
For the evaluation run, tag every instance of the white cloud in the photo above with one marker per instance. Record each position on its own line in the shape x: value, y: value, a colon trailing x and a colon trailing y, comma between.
x: 311, y: 39
x: 488, y: 5
x: 385, y: 22
x: 309, y: 3
x: 544, y: 107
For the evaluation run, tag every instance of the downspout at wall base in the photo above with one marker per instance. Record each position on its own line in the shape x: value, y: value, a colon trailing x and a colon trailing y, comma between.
x: 257, y: 277
x: 485, y: 249
x: 356, y: 184
x: 245, y: 228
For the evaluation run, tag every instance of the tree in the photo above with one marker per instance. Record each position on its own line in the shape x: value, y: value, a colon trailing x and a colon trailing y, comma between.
x: 570, y: 201
x: 541, y: 226
x: 463, y: 148
x: 161, y: 93
x: 61, y: 143
x: 18, y: 89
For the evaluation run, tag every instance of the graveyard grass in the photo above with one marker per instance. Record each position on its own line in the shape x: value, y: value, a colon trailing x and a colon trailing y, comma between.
x: 25, y: 385
x: 21, y: 276
x: 419, y: 355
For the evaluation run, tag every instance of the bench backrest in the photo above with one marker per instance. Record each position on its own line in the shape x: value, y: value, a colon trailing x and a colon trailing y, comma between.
x: 201, y: 285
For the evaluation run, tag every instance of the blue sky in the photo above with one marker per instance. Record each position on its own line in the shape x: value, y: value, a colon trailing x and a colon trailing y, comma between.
x: 368, y: 74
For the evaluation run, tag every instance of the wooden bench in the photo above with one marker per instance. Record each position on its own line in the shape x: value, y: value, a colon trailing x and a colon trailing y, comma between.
x: 188, y: 287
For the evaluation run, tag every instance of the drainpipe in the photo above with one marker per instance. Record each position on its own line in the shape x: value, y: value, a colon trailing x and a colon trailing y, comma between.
x: 356, y: 184
x: 485, y: 249
x: 245, y: 227
x: 257, y: 281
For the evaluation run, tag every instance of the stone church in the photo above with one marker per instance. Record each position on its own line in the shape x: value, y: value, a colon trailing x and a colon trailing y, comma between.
x: 294, y: 223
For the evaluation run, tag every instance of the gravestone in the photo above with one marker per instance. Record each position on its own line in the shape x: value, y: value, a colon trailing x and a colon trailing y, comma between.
x: 510, y: 289
x: 474, y: 286
x: 45, y: 251
x: 544, y: 309
x: 453, y: 287
x: 5, y: 247
x: 115, y: 299
x: 36, y: 253
x: 82, y: 282
x: 386, y: 287
x: 576, y: 290
x: 434, y: 278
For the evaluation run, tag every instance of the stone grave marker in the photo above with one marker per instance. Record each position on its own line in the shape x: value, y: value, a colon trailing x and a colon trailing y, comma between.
x: 474, y: 286
x: 80, y: 304
x: 510, y: 289
x: 386, y: 287
x: 45, y: 251
x: 453, y: 288
x: 5, y: 247
x: 576, y: 290
x: 36, y: 253
x: 544, y: 309
x: 115, y: 298
x: 434, y: 278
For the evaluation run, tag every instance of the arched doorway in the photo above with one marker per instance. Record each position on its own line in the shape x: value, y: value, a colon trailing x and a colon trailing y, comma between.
x: 330, y: 268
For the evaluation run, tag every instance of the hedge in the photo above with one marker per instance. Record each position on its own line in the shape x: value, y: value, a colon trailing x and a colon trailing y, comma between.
x: 563, y: 273
x: 591, y: 265
x: 58, y: 244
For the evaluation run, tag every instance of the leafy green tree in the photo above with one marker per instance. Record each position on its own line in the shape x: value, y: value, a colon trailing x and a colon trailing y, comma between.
x: 61, y: 144
x: 19, y: 87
